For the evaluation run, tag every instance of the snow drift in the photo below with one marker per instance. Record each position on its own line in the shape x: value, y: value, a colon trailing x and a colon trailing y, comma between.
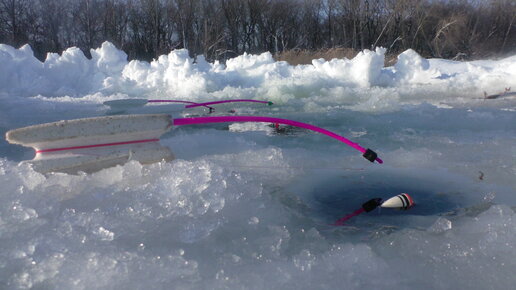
x: 176, y: 75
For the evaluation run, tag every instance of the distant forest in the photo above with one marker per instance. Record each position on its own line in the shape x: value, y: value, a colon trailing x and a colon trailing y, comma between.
x: 220, y: 29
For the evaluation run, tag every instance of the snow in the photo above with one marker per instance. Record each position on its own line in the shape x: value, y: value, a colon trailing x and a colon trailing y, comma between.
x: 247, y: 206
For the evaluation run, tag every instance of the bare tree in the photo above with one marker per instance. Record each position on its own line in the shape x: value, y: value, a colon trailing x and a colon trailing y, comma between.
x: 88, y: 20
x: 224, y: 28
x: 13, y: 20
x: 115, y: 21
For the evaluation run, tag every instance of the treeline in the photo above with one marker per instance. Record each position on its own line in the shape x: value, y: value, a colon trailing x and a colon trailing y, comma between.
x: 219, y: 29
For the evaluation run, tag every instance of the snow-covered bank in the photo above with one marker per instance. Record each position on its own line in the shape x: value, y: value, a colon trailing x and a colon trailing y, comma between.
x: 362, y: 83
x: 244, y: 207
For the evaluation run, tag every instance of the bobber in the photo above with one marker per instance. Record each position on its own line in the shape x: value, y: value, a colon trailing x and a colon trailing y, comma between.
x: 401, y: 201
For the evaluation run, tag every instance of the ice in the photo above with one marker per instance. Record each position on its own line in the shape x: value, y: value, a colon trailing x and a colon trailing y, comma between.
x: 247, y: 127
x: 441, y: 225
x: 248, y: 206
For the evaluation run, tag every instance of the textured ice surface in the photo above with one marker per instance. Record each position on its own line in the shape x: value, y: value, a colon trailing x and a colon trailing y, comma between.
x: 246, y: 206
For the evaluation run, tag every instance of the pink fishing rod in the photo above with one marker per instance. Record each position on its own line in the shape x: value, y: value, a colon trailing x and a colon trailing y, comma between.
x: 227, y: 101
x: 367, y: 153
x: 184, y: 102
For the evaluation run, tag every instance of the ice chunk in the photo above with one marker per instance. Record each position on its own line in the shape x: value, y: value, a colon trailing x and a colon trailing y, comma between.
x: 441, y: 225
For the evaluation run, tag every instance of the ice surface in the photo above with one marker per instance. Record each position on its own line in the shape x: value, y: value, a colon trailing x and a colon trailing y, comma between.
x: 248, y: 206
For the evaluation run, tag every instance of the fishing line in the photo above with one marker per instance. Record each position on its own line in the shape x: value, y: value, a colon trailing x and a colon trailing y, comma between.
x: 96, y: 145
x: 184, y: 102
x: 293, y: 167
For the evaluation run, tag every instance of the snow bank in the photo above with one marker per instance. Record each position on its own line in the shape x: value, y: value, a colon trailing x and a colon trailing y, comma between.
x: 176, y: 75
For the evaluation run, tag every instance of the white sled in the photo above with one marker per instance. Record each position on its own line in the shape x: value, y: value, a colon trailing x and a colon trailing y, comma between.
x: 91, y: 144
